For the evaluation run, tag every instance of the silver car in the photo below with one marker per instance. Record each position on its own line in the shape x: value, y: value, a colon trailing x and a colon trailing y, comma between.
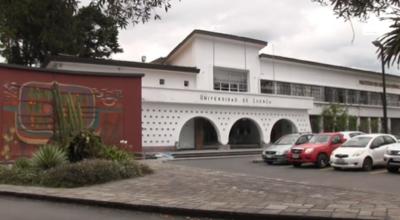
x: 277, y: 152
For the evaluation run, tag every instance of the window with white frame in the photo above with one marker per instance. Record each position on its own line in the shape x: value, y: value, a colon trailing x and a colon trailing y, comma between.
x: 233, y: 80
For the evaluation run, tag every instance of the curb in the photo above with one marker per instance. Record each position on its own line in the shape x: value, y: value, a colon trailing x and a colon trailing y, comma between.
x: 168, y: 210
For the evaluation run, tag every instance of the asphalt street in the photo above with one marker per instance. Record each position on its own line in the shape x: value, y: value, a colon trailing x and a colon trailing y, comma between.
x: 22, y: 209
x: 377, y: 180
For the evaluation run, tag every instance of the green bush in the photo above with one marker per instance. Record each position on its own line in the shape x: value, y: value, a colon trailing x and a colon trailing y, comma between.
x: 89, y: 172
x: 23, y: 163
x: 48, y: 156
x: 19, y: 176
x: 85, y: 145
x: 115, y: 153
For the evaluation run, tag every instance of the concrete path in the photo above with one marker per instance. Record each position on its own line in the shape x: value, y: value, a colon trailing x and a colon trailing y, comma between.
x: 187, y: 188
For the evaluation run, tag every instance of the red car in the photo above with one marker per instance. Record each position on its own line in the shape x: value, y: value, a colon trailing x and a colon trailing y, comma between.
x: 318, y: 150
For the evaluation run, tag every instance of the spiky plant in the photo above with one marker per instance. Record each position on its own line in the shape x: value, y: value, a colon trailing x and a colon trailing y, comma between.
x: 49, y: 156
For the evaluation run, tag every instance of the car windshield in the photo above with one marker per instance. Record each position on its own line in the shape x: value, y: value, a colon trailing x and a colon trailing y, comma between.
x: 359, y: 142
x: 319, y: 139
x: 287, y: 139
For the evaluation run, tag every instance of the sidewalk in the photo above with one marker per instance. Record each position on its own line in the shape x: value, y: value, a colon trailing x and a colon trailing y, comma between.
x: 175, y: 187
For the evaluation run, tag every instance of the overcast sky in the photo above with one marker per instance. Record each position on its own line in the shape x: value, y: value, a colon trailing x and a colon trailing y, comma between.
x: 294, y: 28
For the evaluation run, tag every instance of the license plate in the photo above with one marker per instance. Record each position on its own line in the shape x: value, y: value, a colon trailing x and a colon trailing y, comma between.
x: 340, y: 161
x: 268, y: 156
x: 296, y: 156
x: 397, y: 159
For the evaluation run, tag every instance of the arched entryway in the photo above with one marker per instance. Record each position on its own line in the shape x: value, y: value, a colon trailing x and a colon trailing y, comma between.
x: 245, y: 133
x: 197, y: 134
x: 282, y: 127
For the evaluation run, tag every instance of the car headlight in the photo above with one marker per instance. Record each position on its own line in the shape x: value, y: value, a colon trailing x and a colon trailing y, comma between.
x: 309, y: 150
x: 358, y: 153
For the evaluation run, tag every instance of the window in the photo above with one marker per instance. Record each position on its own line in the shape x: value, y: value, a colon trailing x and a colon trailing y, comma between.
x: 341, y: 95
x: 375, y: 98
x: 230, y: 80
x: 298, y: 90
x: 352, y: 96
x: 318, y: 93
x: 186, y: 83
x: 283, y: 88
x: 330, y: 94
x: 389, y: 140
x: 363, y: 98
x: 267, y: 86
x: 162, y: 81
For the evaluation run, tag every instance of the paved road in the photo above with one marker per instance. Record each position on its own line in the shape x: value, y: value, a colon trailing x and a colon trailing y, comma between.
x: 377, y: 180
x: 21, y: 209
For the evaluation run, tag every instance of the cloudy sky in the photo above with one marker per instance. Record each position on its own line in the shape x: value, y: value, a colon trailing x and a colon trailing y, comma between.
x: 294, y: 28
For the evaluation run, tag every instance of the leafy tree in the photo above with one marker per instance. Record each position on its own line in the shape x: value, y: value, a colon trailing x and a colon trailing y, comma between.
x: 362, y: 9
x: 31, y: 30
x: 335, y: 118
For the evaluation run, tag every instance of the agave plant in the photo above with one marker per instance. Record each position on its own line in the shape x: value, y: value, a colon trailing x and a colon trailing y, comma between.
x: 49, y: 156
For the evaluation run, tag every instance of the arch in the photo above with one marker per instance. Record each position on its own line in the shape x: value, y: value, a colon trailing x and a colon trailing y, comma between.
x: 282, y: 127
x: 198, y: 133
x: 245, y: 132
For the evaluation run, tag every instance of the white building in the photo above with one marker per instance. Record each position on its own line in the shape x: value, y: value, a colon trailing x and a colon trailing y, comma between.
x: 216, y: 90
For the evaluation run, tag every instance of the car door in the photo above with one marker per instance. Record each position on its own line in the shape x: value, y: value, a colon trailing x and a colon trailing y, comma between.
x: 377, y: 149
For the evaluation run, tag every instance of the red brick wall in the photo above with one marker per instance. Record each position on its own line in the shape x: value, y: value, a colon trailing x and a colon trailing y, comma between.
x: 110, y: 104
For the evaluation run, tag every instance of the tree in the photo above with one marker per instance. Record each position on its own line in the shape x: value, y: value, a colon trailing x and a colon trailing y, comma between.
x: 335, y: 118
x: 32, y: 30
x: 362, y: 9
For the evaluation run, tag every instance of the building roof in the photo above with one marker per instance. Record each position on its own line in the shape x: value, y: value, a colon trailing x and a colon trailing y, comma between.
x: 313, y: 63
x: 69, y: 72
x: 74, y: 59
x: 214, y: 34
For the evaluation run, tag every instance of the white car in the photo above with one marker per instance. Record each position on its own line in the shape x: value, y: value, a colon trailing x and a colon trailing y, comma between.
x: 392, y: 158
x: 349, y: 134
x: 362, y: 151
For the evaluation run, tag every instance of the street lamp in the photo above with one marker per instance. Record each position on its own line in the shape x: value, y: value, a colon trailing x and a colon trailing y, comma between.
x: 380, y: 46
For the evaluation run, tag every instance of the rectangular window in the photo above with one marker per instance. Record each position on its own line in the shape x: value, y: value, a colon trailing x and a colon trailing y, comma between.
x: 363, y: 98
x: 230, y: 80
x: 331, y: 95
x: 267, y: 86
x: 186, y: 83
x: 375, y: 98
x: 283, y: 88
x: 352, y: 96
x: 341, y: 95
x: 162, y: 81
x: 298, y: 90
x: 318, y: 93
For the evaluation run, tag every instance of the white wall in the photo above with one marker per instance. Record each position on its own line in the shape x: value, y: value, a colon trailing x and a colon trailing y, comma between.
x: 163, y: 122
x: 173, y: 79
x: 205, y: 52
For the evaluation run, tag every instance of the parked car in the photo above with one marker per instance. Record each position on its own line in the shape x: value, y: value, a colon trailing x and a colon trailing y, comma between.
x: 392, y: 158
x: 349, y: 134
x: 317, y: 150
x: 277, y: 152
x: 363, y: 151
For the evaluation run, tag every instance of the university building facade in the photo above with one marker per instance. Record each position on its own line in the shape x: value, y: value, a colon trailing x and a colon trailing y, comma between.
x: 215, y: 90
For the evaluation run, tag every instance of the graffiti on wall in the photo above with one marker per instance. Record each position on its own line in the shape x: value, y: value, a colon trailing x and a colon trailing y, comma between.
x: 28, y: 118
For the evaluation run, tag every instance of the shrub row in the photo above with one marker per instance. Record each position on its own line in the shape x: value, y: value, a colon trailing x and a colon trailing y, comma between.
x: 83, y: 173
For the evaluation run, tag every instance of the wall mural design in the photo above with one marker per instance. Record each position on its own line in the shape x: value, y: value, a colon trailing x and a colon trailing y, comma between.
x: 28, y: 113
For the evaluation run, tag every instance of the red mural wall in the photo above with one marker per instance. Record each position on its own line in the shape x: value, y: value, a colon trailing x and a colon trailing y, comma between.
x: 110, y: 104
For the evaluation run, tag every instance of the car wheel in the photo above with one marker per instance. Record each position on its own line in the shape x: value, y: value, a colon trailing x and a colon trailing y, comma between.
x: 367, y: 164
x: 337, y: 168
x: 392, y: 169
x: 269, y: 162
x: 322, y: 161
